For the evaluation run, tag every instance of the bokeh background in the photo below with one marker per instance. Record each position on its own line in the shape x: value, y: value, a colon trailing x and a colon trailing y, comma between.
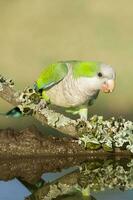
x: 35, y: 33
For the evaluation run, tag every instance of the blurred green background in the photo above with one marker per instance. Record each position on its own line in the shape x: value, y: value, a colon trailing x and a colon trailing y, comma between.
x: 34, y: 33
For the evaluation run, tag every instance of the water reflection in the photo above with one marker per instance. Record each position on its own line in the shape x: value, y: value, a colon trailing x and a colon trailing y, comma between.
x: 81, y: 180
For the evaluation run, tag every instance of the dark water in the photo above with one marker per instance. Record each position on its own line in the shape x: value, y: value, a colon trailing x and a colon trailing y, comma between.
x: 42, y: 178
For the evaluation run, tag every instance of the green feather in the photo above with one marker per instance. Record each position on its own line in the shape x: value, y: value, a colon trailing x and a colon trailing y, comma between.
x: 56, y: 72
x: 52, y: 75
x: 85, y: 69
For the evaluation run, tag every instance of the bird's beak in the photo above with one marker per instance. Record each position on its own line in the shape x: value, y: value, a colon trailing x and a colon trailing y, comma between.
x: 108, y: 86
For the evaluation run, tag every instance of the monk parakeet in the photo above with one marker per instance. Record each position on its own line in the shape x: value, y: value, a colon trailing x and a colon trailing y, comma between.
x: 74, y: 85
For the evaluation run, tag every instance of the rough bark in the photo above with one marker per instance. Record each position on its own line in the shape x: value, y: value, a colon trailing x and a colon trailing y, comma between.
x: 9, y: 94
x: 30, y: 142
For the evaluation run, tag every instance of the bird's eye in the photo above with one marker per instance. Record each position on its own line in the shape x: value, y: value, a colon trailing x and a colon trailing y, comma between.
x: 100, y: 74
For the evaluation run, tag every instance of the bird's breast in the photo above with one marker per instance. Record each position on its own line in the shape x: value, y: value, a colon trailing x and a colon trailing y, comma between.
x: 70, y: 92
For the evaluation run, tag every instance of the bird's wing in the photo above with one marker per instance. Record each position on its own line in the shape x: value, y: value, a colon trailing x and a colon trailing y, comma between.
x: 85, y: 68
x: 51, y: 75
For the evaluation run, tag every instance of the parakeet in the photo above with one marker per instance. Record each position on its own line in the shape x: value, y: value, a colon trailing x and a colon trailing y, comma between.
x: 74, y: 85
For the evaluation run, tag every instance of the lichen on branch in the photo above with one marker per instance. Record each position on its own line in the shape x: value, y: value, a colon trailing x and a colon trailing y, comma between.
x: 107, y: 134
x: 31, y: 103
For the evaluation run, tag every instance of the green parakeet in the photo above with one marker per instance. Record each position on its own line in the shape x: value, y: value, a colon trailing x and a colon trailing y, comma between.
x: 75, y: 85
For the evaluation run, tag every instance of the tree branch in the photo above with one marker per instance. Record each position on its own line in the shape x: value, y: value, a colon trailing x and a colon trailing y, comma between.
x: 28, y: 99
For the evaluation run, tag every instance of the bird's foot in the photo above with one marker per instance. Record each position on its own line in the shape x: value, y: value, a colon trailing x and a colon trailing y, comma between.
x: 83, y: 112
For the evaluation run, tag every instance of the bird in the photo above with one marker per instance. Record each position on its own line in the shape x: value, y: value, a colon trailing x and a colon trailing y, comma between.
x: 74, y: 85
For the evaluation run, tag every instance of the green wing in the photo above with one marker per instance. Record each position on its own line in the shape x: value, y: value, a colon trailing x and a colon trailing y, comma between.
x: 56, y: 72
x: 51, y: 75
x: 85, y: 68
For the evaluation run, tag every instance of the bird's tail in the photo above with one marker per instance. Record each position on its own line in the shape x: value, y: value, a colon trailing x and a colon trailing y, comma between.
x: 14, y: 112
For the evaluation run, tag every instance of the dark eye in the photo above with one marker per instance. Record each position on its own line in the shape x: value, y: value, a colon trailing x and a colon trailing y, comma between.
x: 100, y: 74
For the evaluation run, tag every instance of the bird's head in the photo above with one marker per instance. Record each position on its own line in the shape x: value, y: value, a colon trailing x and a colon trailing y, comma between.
x: 106, y: 78
x: 95, y: 76
x: 103, y: 79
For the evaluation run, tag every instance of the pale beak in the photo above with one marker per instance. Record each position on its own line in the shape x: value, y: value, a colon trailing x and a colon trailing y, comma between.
x: 108, y: 86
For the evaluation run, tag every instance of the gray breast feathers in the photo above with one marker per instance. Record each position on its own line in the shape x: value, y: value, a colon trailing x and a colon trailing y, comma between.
x: 72, y: 92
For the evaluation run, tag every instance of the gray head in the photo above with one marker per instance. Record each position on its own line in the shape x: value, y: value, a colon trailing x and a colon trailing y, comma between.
x: 104, y: 80
x: 106, y: 76
x: 107, y: 71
